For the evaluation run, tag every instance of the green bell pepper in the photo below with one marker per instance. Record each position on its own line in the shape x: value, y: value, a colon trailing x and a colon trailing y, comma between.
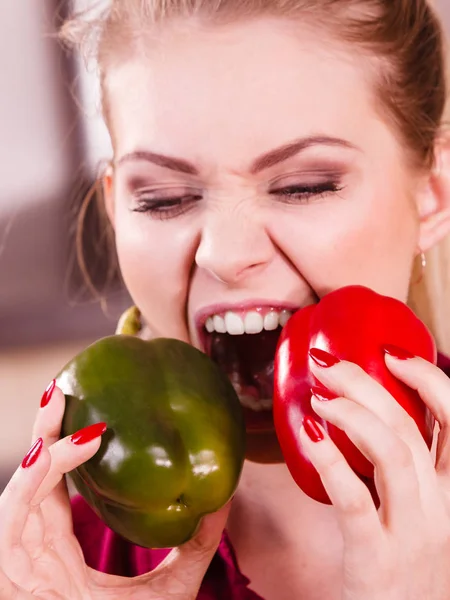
x: 175, y: 443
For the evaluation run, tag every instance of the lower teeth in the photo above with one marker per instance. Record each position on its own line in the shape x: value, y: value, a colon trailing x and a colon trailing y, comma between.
x: 255, y: 404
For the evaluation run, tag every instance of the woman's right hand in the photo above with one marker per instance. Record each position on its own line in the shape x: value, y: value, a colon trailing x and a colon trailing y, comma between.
x: 39, y: 554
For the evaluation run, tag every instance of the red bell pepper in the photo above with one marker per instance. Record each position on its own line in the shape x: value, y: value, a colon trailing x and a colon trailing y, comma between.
x: 352, y: 323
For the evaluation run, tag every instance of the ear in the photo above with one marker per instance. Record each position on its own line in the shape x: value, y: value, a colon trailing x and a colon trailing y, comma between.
x: 108, y: 193
x: 434, y: 200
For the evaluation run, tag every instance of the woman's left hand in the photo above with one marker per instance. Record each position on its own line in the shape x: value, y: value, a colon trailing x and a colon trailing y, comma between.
x: 402, y: 550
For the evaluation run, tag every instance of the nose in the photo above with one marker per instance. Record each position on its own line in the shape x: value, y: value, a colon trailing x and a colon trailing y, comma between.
x: 233, y: 247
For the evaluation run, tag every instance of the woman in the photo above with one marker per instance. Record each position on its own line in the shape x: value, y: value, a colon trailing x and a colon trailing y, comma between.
x: 265, y: 154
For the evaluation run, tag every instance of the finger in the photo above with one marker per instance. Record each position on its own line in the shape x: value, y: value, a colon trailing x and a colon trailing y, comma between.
x: 68, y: 454
x: 47, y: 424
x: 34, y: 535
x: 351, y: 381
x: 433, y: 386
x: 16, y: 500
x: 355, y: 509
x: 395, y: 472
x: 49, y: 521
x: 52, y: 494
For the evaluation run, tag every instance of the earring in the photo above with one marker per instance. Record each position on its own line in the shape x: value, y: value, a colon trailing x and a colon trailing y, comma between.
x: 130, y: 322
x: 423, y: 266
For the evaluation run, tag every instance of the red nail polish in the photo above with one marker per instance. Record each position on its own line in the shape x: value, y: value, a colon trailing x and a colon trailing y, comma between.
x: 323, y: 394
x: 322, y: 358
x: 48, y: 394
x: 312, y: 429
x: 398, y: 352
x: 33, y: 454
x: 88, y: 433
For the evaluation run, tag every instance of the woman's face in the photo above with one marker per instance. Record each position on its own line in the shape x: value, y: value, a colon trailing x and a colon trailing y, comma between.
x: 253, y: 174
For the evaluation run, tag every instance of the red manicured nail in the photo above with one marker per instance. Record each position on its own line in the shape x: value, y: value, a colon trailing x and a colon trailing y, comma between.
x: 312, y: 429
x: 398, y: 352
x: 48, y: 394
x: 322, y: 358
x: 323, y: 394
x: 33, y: 454
x: 88, y: 433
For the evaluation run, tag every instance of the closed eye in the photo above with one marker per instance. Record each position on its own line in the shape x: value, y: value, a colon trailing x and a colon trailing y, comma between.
x: 173, y: 206
x: 303, y: 193
x: 166, y: 208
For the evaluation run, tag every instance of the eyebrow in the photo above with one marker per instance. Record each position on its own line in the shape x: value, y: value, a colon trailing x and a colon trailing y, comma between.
x: 265, y: 161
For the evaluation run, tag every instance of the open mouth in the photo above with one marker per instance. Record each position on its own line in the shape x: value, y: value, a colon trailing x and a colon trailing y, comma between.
x: 243, y: 344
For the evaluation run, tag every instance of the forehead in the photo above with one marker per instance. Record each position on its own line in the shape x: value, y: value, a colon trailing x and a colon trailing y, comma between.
x: 253, y: 84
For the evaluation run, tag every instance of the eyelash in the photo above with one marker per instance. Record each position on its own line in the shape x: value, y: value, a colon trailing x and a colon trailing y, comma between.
x: 171, y: 207
x: 306, y: 192
x: 166, y: 208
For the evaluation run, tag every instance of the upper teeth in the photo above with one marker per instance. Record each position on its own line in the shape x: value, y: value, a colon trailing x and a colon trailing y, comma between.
x: 247, y: 322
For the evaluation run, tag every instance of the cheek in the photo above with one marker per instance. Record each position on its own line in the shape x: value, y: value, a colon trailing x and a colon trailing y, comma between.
x: 344, y: 244
x: 155, y: 265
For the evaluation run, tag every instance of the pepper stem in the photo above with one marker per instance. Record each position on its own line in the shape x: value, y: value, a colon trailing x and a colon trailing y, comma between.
x: 130, y: 322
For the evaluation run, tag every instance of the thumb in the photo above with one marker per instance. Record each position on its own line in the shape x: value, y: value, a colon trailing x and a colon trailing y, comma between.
x: 183, y: 570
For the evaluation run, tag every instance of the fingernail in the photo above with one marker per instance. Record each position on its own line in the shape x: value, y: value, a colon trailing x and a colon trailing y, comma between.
x: 323, y: 394
x: 46, y: 397
x: 312, y: 429
x: 322, y: 358
x: 88, y: 433
x: 398, y: 352
x: 32, y: 454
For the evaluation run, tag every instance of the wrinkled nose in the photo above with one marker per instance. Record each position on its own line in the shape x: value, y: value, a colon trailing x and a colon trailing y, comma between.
x: 232, y: 248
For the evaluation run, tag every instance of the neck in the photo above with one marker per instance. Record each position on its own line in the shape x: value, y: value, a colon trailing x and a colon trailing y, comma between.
x: 274, y: 525
x: 270, y: 502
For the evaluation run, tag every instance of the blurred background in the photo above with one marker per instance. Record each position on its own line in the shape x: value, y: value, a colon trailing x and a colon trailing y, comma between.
x: 53, y: 142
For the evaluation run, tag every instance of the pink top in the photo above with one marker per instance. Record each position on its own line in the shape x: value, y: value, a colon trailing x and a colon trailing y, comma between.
x: 109, y: 553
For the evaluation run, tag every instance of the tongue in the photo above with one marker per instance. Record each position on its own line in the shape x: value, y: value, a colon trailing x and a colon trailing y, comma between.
x: 248, y: 360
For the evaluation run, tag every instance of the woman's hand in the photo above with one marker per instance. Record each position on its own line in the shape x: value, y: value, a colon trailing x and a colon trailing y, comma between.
x: 401, y: 551
x: 39, y: 554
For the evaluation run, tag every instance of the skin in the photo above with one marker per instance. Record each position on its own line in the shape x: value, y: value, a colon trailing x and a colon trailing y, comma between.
x: 239, y: 243
x: 219, y: 99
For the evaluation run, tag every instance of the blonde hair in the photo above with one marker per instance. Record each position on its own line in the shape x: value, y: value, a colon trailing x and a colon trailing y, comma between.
x: 404, y: 38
